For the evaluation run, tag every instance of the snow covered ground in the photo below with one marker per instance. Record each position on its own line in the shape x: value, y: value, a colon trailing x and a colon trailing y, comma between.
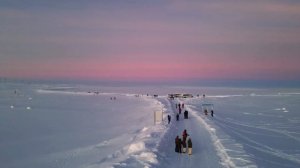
x: 51, y: 125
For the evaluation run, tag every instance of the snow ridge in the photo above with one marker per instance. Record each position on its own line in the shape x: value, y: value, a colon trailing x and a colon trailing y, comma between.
x: 142, y: 149
x: 228, y: 161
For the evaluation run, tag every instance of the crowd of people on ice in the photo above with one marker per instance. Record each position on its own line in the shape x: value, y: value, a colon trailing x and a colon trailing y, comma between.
x: 184, y: 144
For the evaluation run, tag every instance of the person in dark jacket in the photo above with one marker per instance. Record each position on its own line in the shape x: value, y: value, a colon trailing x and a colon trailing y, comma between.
x: 184, y: 134
x: 177, y: 117
x: 212, y: 113
x: 178, y: 144
x: 190, y: 145
x: 169, y: 119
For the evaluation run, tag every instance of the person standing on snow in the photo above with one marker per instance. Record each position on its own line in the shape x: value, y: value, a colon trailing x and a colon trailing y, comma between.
x: 190, y: 145
x: 177, y: 117
x: 184, y: 135
x: 184, y: 145
x: 177, y: 144
x: 180, y: 147
x: 169, y: 119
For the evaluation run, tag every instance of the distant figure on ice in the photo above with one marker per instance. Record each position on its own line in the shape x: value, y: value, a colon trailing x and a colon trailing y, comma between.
x: 186, y: 114
x: 182, y: 105
x: 169, y: 119
x: 190, y: 145
x: 212, y: 113
x: 205, y: 112
x: 179, y: 110
x: 203, y: 95
x: 177, y: 117
x: 178, y: 144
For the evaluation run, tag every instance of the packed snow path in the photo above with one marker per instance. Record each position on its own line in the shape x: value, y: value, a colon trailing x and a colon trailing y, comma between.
x: 204, y: 152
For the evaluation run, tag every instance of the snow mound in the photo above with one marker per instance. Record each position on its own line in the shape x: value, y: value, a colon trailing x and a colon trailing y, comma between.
x: 142, y: 147
x: 147, y: 157
x: 104, y: 143
x: 136, y: 147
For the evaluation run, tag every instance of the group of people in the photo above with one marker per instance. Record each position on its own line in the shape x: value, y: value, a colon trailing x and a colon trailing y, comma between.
x: 183, y: 145
x: 180, y: 107
x: 113, y: 98
x: 211, y: 112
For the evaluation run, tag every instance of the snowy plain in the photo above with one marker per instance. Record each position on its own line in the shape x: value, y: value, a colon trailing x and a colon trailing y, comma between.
x: 69, y: 125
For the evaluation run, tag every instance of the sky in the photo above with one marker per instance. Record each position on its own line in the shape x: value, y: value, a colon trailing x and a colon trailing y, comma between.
x: 150, y: 40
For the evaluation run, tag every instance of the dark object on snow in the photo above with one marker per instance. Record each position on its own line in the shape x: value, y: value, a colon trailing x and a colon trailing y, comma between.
x: 177, y: 117
x: 169, y: 119
x: 190, y: 145
x: 186, y: 114
x: 205, y: 112
x: 212, y: 113
x: 183, y: 146
x: 177, y: 145
x: 184, y: 135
